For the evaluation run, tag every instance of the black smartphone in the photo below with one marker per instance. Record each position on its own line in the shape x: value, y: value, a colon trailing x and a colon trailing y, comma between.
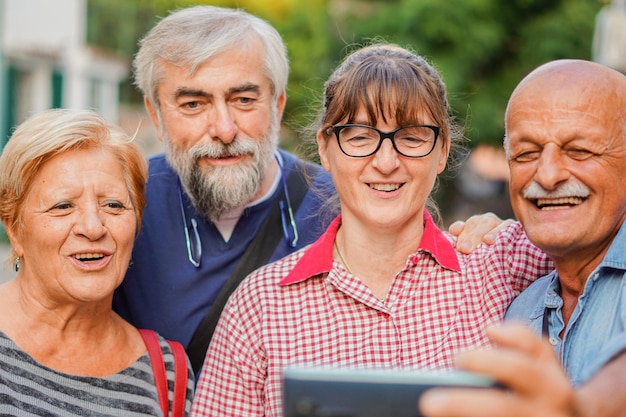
x: 336, y: 392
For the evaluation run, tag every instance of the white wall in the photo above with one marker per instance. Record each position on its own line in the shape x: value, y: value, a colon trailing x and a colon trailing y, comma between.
x: 45, y: 25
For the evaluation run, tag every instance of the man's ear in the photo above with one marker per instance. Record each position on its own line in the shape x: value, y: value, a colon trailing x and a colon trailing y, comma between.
x: 280, y: 106
x: 152, y: 112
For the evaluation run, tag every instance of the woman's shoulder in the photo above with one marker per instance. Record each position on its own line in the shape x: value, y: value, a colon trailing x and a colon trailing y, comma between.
x: 270, y: 275
x: 51, y: 392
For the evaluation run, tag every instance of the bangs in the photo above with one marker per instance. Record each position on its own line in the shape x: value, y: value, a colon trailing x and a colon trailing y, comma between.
x: 385, y: 91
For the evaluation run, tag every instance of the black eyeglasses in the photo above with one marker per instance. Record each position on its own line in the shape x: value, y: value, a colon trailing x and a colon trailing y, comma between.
x: 194, y: 247
x: 359, y: 141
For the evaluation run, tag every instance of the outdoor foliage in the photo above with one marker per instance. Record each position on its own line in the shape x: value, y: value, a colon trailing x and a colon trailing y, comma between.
x: 482, y: 47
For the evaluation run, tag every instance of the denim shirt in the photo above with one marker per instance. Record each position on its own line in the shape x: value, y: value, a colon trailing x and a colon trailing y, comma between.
x: 595, y: 333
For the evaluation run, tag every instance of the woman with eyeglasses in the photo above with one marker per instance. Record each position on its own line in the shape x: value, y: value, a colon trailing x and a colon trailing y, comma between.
x: 383, y: 287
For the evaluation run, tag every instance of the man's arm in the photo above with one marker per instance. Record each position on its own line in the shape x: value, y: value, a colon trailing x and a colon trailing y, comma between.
x: 477, y: 229
x: 536, y: 384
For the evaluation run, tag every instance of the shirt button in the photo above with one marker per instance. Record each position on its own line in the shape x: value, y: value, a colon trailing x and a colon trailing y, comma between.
x: 553, y: 341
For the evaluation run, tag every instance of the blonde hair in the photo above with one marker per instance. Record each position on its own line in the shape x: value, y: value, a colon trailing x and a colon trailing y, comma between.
x: 52, y: 132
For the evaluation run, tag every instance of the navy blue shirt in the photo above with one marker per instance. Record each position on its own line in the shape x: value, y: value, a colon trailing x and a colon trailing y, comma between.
x: 162, y: 290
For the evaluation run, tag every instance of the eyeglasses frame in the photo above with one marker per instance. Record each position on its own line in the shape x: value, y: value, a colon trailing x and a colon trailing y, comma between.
x: 336, y: 129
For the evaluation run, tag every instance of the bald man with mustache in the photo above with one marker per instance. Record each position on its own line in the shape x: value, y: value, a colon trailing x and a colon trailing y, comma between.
x: 565, y: 142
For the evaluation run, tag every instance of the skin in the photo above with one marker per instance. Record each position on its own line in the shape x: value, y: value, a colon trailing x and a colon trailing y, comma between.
x: 75, y: 248
x: 477, y: 229
x: 385, y: 224
x: 562, y: 126
x: 227, y: 97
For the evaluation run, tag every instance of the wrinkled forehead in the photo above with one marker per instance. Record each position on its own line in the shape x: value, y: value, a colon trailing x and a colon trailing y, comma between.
x: 569, y: 95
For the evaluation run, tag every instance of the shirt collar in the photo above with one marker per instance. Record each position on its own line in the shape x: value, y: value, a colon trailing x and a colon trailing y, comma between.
x: 318, y: 258
x: 614, y: 257
x: 436, y: 243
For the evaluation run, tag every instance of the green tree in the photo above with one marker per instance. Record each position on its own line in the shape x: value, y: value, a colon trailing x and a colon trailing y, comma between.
x: 482, y: 47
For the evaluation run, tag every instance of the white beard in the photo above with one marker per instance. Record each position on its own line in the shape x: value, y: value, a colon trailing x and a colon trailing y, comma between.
x: 213, y: 190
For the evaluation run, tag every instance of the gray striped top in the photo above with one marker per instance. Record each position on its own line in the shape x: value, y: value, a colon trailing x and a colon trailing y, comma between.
x: 27, y: 388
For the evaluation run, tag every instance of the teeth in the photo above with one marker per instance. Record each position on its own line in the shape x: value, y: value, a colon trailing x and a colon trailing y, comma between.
x: 554, y: 203
x: 89, y: 256
x: 385, y: 187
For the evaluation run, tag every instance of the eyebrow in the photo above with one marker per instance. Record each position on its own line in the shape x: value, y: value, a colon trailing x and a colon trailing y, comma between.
x: 190, y: 92
x: 248, y: 87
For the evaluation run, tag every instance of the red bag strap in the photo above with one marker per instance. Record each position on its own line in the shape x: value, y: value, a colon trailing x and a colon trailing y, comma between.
x: 180, y: 381
x: 158, y: 366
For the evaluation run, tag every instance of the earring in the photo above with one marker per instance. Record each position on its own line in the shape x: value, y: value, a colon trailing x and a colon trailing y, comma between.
x: 130, y: 264
x: 17, y: 264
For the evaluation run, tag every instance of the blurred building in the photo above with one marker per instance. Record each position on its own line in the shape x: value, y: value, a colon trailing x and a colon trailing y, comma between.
x: 45, y: 62
x: 609, y: 41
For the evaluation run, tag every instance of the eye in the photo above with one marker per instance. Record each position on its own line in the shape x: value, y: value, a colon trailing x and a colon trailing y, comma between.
x: 411, y: 141
x: 579, y: 154
x: 114, y: 206
x: 244, y: 102
x: 527, y: 156
x: 191, y: 105
x: 63, y: 205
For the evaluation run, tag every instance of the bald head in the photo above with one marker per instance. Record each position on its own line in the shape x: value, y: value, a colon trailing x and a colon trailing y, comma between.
x: 565, y: 83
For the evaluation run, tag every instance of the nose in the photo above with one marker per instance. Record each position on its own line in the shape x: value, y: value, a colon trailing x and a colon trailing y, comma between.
x: 386, y: 159
x: 90, y: 224
x: 222, y: 125
x: 551, y: 169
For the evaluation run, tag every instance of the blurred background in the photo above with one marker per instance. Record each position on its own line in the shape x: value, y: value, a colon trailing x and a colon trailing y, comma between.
x: 77, y: 53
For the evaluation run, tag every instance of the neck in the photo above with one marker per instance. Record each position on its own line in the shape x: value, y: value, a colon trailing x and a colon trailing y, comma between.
x: 374, y: 257
x: 573, y: 275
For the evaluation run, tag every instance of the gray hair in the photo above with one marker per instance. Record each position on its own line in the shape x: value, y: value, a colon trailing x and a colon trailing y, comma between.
x: 188, y: 37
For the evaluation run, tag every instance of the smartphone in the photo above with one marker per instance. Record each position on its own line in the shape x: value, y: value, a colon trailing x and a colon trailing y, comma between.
x: 336, y: 392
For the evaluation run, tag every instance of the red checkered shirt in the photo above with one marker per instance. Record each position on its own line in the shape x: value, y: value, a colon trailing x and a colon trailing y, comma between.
x: 306, y: 309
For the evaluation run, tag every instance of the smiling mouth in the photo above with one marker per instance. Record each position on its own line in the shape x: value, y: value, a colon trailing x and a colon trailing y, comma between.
x: 89, y: 257
x: 385, y: 187
x: 558, y: 203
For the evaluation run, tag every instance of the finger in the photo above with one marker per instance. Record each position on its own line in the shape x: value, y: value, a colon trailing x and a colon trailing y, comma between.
x: 456, y: 227
x: 474, y: 230
x: 490, y: 237
x: 518, y: 336
x: 522, y: 362
x: 453, y: 402
x: 487, y: 402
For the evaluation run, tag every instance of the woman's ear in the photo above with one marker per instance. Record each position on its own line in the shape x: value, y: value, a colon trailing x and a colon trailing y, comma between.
x: 443, y: 156
x: 322, y: 148
x: 14, y: 239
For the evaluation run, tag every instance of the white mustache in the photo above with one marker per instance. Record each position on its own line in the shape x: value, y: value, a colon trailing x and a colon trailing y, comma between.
x: 218, y: 149
x: 571, y: 188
